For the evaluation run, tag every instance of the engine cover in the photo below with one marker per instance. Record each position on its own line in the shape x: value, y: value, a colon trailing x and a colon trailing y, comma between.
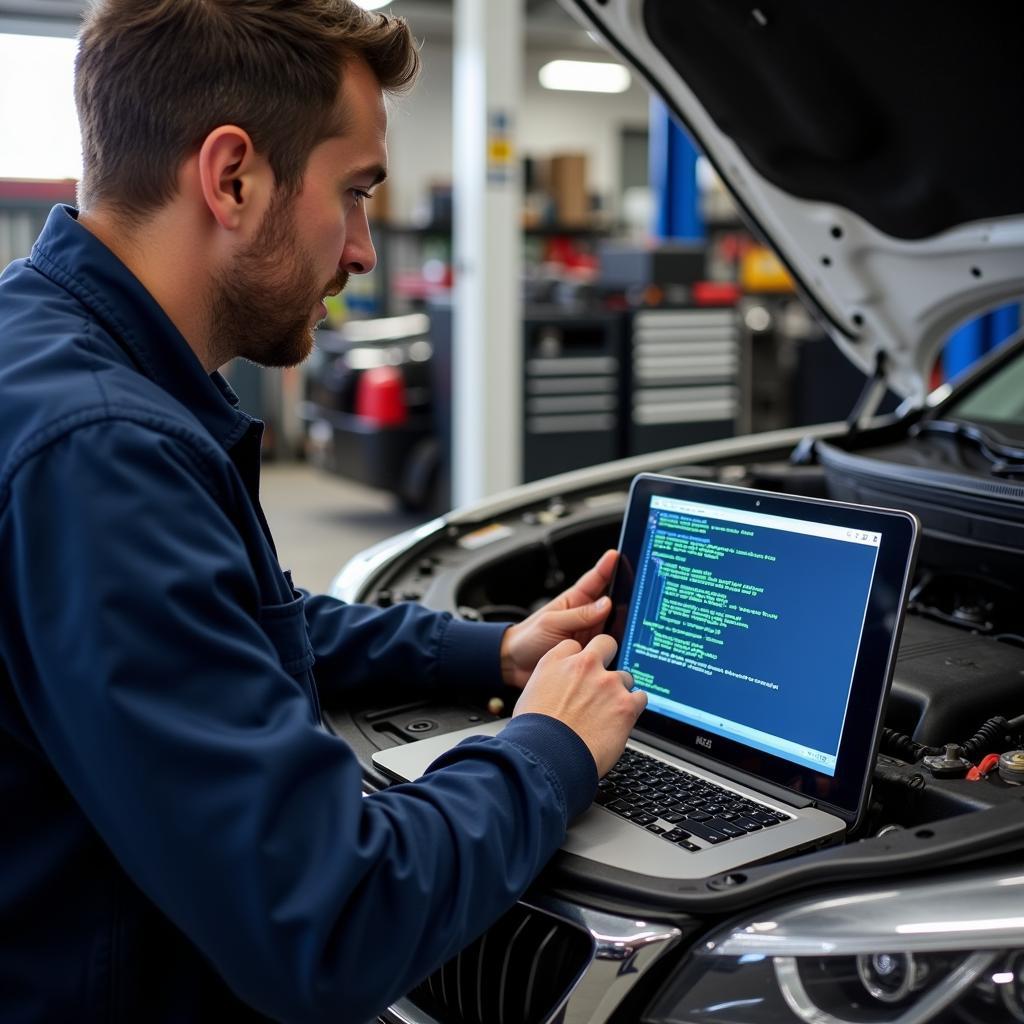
x: 948, y: 681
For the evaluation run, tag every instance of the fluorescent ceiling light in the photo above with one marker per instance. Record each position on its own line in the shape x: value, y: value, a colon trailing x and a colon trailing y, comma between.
x: 584, y: 76
x: 372, y: 5
x: 38, y: 122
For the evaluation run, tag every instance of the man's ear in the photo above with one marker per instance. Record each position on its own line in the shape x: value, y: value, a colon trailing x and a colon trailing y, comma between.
x: 235, y: 180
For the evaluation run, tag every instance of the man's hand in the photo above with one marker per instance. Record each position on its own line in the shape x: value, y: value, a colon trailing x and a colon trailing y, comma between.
x: 573, y: 684
x: 576, y: 614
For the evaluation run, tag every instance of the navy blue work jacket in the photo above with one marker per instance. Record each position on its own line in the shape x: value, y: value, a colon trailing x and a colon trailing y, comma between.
x: 183, y: 840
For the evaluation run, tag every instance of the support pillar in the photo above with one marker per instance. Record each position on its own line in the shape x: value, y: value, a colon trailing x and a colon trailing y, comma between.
x: 487, y: 315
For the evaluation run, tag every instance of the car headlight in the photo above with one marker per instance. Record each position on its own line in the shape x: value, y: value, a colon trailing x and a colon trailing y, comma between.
x: 937, y: 952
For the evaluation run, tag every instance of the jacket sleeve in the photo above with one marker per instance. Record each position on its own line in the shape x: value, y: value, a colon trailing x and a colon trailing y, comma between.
x: 357, y: 646
x: 136, y: 649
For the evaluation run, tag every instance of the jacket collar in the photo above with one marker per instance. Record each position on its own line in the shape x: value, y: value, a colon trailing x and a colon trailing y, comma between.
x: 78, y: 261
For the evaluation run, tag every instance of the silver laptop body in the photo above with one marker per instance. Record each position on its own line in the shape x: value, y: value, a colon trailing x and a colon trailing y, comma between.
x: 713, y: 525
x: 604, y: 837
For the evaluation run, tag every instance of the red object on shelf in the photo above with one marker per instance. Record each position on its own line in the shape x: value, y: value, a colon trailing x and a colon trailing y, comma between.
x: 413, y: 285
x: 380, y: 396
x: 715, y: 293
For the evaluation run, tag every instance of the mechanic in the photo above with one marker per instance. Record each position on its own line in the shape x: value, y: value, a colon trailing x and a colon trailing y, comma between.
x: 183, y: 839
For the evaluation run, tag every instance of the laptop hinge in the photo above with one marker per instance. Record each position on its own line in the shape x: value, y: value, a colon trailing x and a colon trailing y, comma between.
x: 769, y: 789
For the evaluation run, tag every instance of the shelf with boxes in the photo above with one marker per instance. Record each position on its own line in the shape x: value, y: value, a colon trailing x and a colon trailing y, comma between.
x: 414, y: 265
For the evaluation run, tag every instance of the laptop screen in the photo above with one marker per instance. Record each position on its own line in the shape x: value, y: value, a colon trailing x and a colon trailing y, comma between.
x: 763, y: 628
x: 727, y: 632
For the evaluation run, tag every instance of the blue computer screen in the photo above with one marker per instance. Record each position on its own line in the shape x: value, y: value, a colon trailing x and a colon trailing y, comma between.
x: 748, y: 625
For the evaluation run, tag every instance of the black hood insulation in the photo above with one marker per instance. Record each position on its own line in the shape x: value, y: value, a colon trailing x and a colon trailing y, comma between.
x: 906, y: 113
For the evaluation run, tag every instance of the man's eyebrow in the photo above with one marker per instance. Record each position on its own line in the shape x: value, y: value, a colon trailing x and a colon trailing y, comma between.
x: 375, y: 172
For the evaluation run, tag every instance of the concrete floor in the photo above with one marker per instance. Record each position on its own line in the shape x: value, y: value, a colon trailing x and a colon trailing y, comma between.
x: 319, y: 521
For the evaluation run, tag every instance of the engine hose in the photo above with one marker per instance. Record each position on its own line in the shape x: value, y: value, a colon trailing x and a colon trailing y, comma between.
x: 899, y: 744
x: 990, y: 735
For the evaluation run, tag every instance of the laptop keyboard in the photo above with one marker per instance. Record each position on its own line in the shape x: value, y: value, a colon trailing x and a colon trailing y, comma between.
x: 680, y: 806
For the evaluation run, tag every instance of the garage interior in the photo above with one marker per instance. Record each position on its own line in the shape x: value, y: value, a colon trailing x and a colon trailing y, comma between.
x: 567, y: 293
x: 649, y: 315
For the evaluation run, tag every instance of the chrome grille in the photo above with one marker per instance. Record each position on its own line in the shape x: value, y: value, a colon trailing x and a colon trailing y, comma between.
x: 517, y: 972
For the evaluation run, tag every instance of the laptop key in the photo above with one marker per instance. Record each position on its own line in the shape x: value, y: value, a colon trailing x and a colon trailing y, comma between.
x: 732, y: 831
x: 685, y: 844
x: 618, y: 806
x: 747, y: 824
x: 677, y: 833
x: 698, y: 816
x: 656, y: 829
x: 711, y: 835
x: 643, y: 818
x: 764, y: 819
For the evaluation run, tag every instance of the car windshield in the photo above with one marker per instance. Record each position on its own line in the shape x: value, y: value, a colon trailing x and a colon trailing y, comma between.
x: 998, y: 401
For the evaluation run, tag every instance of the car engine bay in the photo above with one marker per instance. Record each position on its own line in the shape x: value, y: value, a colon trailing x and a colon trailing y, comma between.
x: 954, y: 704
x: 945, y: 794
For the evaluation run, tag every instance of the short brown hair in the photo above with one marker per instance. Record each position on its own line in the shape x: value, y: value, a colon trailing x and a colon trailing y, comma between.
x: 154, y: 77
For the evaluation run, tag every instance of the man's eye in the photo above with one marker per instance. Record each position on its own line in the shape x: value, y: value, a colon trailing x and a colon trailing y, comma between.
x: 360, y: 196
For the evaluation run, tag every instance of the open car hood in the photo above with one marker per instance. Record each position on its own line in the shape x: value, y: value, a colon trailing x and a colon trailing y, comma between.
x: 876, y: 146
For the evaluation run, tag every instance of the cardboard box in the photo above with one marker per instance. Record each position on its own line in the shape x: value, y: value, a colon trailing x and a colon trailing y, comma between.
x: 568, y: 184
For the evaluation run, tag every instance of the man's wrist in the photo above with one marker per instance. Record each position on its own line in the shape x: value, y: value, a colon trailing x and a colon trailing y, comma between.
x: 564, y: 753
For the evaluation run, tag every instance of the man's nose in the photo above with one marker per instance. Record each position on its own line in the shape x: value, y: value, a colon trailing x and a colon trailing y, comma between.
x: 358, y: 255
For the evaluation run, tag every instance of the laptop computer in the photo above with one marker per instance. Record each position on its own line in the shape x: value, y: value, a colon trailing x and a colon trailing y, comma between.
x: 763, y: 628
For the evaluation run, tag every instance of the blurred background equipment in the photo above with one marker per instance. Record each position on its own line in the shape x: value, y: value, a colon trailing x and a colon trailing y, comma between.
x: 650, y: 316
x: 369, y: 409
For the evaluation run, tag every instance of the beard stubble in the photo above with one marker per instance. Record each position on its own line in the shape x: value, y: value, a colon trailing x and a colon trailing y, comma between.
x: 262, y: 307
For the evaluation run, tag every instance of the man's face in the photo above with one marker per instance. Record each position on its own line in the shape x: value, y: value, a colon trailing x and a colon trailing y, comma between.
x: 266, y: 306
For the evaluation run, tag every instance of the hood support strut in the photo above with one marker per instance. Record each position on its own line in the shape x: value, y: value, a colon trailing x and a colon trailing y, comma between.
x: 870, y: 398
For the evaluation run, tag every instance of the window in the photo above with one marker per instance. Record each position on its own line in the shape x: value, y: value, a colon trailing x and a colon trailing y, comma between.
x: 38, y: 123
